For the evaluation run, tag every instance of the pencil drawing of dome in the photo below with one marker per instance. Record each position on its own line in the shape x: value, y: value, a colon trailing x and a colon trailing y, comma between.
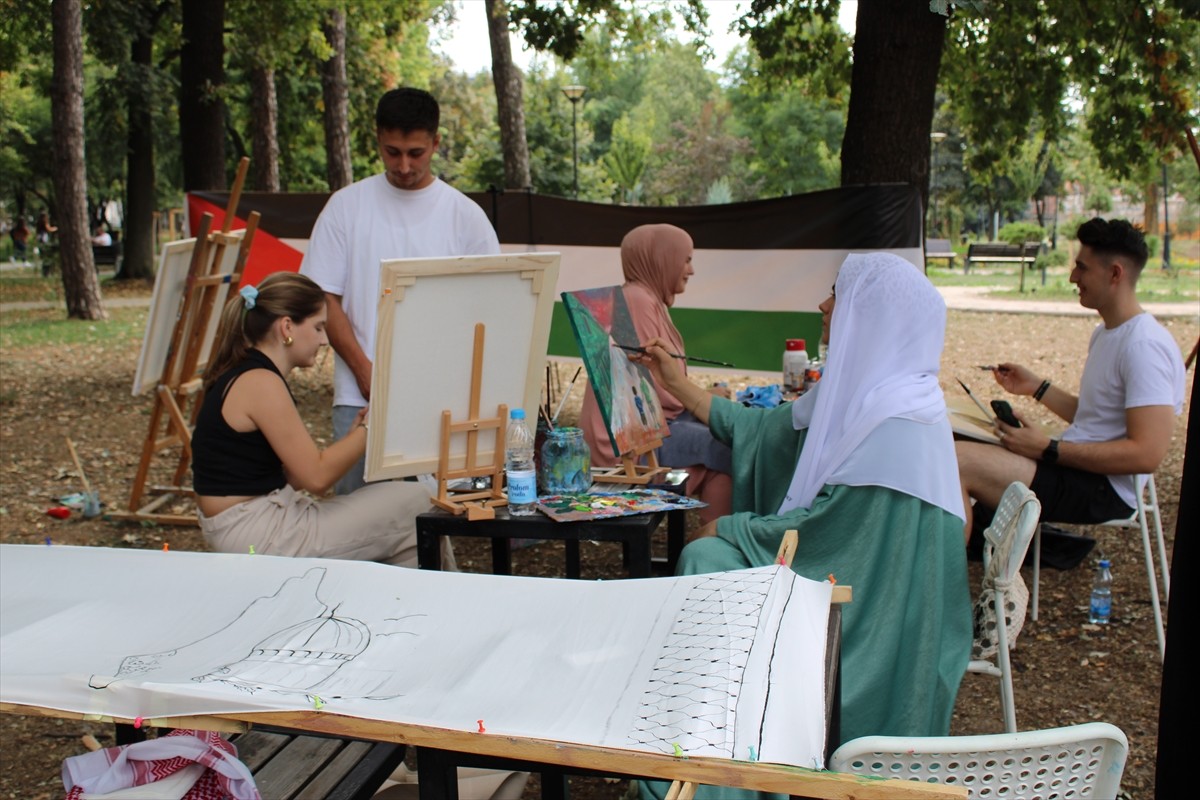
x: 300, y: 656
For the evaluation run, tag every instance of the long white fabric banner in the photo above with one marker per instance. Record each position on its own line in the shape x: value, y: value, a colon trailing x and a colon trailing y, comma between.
x: 726, y: 665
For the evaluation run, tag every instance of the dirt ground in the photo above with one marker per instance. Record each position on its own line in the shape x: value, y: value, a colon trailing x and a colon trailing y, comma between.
x: 1066, y: 670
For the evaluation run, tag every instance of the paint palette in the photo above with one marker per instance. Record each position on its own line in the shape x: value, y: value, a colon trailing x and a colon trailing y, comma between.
x: 602, y: 505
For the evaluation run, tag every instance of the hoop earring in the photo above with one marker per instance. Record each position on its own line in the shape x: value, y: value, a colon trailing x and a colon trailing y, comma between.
x: 287, y: 341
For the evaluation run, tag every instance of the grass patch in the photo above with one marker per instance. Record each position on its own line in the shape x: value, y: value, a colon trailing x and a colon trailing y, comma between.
x: 48, y: 328
x: 21, y: 286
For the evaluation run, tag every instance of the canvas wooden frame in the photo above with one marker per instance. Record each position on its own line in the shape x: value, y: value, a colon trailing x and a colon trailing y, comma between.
x: 424, y: 342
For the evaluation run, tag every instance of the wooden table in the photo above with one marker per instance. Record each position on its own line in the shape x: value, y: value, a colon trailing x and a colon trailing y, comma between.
x: 633, y: 532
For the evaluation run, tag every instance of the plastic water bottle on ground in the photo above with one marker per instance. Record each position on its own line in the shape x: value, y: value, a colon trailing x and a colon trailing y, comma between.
x: 519, y: 470
x: 1100, y: 608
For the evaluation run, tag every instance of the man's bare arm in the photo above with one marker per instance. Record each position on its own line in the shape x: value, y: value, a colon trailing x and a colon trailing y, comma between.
x: 342, y: 339
x: 1020, y: 380
x: 1148, y: 436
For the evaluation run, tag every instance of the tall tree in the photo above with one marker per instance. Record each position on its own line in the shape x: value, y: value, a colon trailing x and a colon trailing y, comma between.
x: 201, y: 109
x: 80, y: 285
x: 509, y: 103
x: 336, y: 115
x: 264, y: 142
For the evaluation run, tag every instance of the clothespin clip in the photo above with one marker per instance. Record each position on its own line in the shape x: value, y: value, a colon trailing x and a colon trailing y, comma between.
x: 318, y: 703
x: 678, y: 749
x: 832, y: 579
x: 137, y: 722
x: 47, y: 541
x: 166, y: 547
x: 481, y: 728
x: 251, y: 549
x: 753, y: 753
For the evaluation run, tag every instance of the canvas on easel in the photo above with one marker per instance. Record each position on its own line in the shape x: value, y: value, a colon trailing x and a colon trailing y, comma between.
x: 166, y: 304
x: 179, y: 381
x: 624, y: 390
x: 425, y: 346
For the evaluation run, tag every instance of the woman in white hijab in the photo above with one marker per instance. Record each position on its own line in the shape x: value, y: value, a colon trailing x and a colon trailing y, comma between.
x: 864, y: 468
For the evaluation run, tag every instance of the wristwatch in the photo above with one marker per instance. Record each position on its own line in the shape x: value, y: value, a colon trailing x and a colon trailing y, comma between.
x: 1050, y: 454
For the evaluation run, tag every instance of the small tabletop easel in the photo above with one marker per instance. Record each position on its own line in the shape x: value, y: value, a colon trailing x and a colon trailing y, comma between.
x: 182, y: 375
x: 477, y: 503
x: 631, y: 470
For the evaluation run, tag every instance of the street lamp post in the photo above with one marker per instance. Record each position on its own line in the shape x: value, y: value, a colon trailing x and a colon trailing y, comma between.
x: 937, y: 137
x: 575, y: 93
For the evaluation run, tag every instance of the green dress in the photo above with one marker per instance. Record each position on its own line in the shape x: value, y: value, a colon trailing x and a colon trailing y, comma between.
x: 906, y: 637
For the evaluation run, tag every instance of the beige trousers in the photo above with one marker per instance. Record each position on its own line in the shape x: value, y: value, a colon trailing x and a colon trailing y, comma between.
x: 374, y: 523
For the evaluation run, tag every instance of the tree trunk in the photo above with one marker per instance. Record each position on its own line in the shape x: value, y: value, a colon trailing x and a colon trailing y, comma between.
x: 509, y: 106
x: 338, y: 171
x: 80, y: 285
x: 138, y: 239
x: 201, y: 110
x: 1150, y: 212
x: 897, y: 52
x: 264, y: 144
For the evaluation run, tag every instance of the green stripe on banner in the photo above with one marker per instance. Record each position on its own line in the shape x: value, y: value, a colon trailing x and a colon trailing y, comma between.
x: 753, y: 340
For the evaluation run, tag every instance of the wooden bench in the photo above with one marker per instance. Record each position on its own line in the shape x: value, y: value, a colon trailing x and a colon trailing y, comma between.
x: 995, y: 252
x: 291, y: 766
x: 107, y: 255
x: 940, y: 248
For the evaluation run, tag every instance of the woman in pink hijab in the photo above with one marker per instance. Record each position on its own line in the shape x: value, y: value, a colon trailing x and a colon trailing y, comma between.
x: 657, y: 262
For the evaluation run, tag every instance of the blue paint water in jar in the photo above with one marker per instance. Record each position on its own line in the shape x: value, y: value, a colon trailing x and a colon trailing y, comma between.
x: 566, y: 466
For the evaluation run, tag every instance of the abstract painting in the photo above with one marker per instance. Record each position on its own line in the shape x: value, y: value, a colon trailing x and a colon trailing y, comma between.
x: 624, y: 390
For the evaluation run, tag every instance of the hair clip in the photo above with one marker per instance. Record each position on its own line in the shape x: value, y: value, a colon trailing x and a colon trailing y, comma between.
x: 249, y: 294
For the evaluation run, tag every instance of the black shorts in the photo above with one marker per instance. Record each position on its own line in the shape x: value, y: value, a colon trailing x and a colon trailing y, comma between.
x: 1072, y: 495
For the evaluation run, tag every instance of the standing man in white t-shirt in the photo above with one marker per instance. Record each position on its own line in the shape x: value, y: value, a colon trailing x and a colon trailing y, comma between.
x: 403, y: 212
x: 1121, y: 422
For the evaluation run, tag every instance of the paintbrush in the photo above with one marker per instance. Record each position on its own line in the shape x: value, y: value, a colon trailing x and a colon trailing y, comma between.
x: 566, y: 394
x: 986, y: 414
x: 696, y: 359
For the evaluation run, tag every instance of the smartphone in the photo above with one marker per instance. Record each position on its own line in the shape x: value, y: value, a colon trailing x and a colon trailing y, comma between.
x: 1004, y: 413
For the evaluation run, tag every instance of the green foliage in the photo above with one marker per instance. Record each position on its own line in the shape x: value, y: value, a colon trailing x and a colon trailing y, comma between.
x: 795, y: 133
x: 625, y: 161
x: 1021, y: 232
x: 1052, y: 259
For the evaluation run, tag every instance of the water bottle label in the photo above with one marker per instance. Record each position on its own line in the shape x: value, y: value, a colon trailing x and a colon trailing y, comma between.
x: 522, y: 487
x: 1101, y: 608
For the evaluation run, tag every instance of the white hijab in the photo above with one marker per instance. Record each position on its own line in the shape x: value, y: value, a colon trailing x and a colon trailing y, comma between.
x: 886, y: 335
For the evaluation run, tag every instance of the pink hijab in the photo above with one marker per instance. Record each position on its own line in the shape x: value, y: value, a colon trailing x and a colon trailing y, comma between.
x: 653, y: 258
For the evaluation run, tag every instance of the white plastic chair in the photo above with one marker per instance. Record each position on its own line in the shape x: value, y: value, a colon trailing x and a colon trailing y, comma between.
x: 1137, y: 520
x: 1080, y: 761
x: 1006, y: 541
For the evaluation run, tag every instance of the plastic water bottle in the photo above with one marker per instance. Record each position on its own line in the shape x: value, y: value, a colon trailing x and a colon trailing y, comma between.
x: 519, y: 470
x: 1100, y: 609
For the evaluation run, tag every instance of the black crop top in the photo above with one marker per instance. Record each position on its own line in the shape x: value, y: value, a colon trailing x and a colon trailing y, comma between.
x: 226, y: 462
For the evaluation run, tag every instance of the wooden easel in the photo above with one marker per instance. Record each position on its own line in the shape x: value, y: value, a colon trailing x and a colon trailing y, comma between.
x: 477, y: 503
x: 182, y: 375
x: 631, y: 470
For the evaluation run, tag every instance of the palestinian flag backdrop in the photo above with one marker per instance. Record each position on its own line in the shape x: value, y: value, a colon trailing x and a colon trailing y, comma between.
x: 761, y: 267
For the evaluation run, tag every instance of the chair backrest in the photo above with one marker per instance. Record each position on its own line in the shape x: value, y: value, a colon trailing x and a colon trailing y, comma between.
x: 1007, y: 539
x: 1080, y: 761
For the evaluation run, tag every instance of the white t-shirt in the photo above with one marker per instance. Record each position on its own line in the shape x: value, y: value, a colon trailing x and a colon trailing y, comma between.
x: 1133, y: 365
x: 370, y: 221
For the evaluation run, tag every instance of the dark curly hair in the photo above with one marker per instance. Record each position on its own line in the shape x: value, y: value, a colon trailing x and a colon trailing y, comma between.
x: 1115, y: 237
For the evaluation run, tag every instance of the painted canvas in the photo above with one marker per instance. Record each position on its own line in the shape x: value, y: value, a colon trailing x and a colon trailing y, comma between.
x: 624, y: 390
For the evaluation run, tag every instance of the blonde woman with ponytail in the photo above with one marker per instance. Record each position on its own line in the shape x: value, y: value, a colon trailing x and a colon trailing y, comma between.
x: 254, y: 461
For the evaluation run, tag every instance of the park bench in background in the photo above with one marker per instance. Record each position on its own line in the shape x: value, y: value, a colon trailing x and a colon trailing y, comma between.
x: 108, y: 255
x: 940, y: 248
x: 995, y: 252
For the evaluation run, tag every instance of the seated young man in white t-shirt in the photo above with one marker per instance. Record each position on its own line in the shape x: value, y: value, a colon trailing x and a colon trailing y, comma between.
x: 1121, y: 421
